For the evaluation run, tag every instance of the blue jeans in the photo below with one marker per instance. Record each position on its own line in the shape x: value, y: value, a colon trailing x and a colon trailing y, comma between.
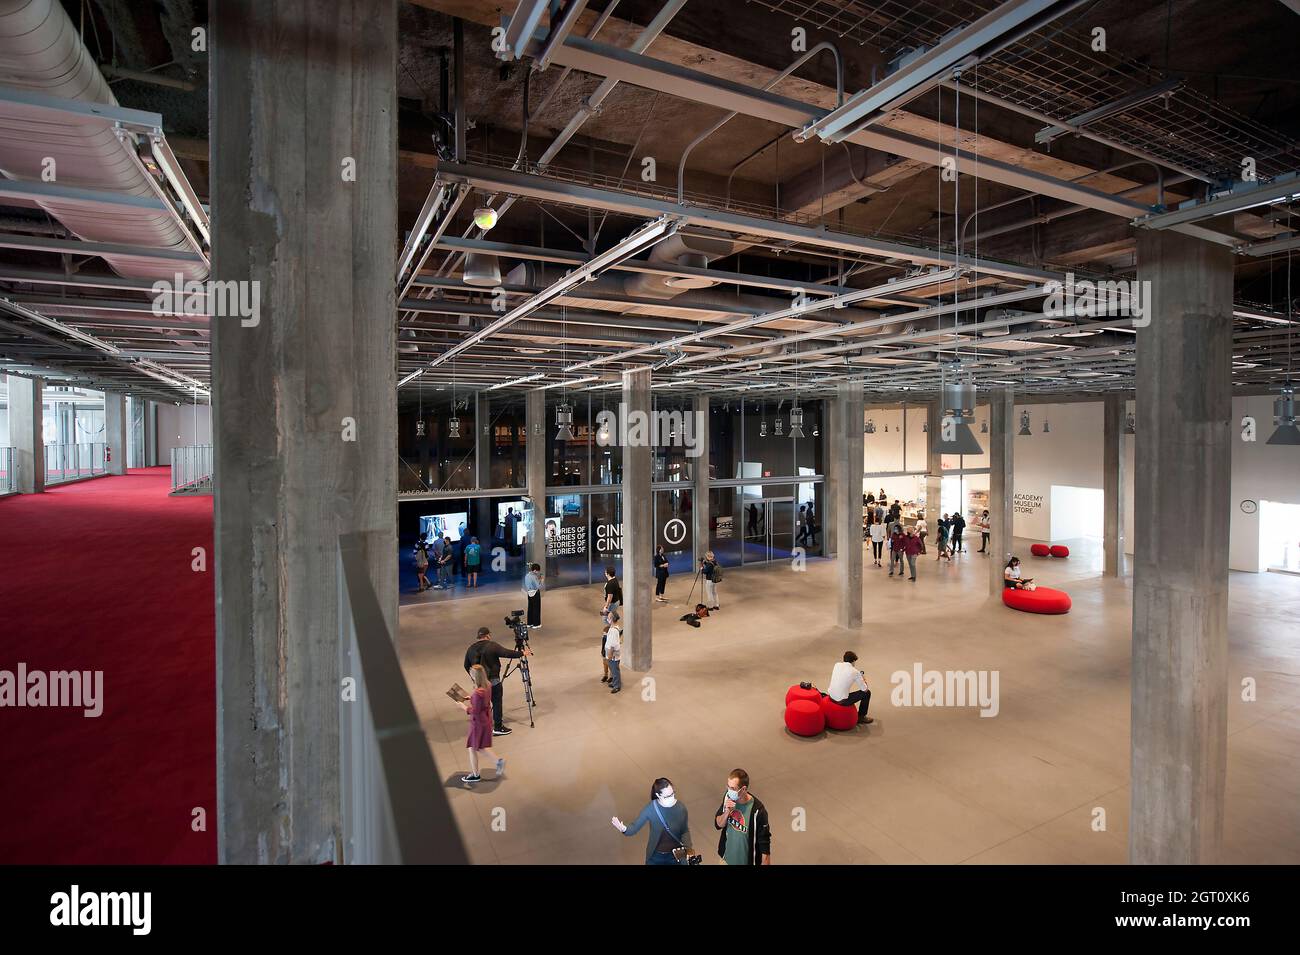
x: 615, y: 676
x: 661, y: 858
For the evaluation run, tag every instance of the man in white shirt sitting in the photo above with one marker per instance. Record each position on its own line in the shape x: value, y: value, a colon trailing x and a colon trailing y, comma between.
x: 848, y: 686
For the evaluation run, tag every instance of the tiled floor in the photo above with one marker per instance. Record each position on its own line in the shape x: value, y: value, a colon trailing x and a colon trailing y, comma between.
x: 921, y: 785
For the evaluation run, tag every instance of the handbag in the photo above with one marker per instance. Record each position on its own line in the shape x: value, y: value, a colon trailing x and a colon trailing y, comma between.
x: 683, y: 852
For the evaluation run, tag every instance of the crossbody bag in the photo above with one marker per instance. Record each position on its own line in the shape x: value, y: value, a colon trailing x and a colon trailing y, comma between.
x: 683, y: 852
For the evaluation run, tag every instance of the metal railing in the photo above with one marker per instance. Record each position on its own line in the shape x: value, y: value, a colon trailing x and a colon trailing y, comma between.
x: 8, y: 476
x: 67, y: 462
x: 393, y: 805
x: 192, y: 469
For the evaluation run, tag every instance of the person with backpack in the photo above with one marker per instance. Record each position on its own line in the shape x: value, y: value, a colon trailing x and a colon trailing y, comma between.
x: 473, y: 558
x: 668, y: 821
x: 711, y: 575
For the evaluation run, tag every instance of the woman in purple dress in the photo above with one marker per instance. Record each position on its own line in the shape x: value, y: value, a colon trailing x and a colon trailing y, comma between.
x: 479, y: 738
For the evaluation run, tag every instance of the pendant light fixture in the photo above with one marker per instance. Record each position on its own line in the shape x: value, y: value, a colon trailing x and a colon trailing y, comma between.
x: 1284, y: 417
x: 796, y: 422
x: 564, y: 410
x: 419, y: 420
x: 1047, y: 426
x: 957, y: 402
x: 762, y: 424
x: 1024, y: 431
x: 453, y: 423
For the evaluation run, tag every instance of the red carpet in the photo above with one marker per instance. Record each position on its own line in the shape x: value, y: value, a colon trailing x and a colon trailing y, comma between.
x: 96, y: 576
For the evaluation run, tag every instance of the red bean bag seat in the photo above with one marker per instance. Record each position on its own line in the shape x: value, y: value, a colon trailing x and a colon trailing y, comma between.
x: 804, y: 718
x: 838, y: 716
x: 797, y: 692
x: 1041, y: 600
x: 1040, y: 550
x: 1060, y: 550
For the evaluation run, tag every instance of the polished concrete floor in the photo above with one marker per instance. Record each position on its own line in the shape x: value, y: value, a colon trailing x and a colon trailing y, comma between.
x: 920, y: 785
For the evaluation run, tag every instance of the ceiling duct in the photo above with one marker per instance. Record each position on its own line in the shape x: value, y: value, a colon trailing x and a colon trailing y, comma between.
x: 690, y: 251
x: 41, y: 53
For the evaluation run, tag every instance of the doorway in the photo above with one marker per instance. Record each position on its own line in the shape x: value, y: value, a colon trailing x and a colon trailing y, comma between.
x: 1279, y: 537
x: 768, y: 529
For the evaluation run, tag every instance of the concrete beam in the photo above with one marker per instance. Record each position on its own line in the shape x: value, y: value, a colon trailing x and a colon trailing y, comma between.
x: 304, y: 402
x: 535, y: 470
x: 26, y: 424
x: 1180, y: 584
x: 1002, y: 483
x: 1114, y: 442
x: 115, y: 425
x: 638, y: 527
x: 700, y: 504
x: 848, y: 504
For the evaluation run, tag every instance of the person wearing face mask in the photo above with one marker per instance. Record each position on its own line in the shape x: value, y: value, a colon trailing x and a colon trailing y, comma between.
x: 668, y: 822
x: 746, y: 837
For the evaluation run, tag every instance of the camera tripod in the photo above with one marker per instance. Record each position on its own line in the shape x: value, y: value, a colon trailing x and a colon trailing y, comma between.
x: 691, y: 595
x: 525, y: 674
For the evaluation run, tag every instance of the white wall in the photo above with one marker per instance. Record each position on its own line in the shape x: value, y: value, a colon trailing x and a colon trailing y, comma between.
x: 1260, y: 472
x: 177, y: 428
x: 1069, y: 455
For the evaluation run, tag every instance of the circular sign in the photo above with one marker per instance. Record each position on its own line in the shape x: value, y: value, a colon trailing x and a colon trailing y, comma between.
x: 675, y: 531
x: 1249, y: 507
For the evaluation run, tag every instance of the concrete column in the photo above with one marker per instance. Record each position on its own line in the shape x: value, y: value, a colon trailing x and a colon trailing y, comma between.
x: 485, y: 512
x: 151, y: 433
x: 831, y: 519
x: 848, y: 517
x: 115, y: 425
x: 638, y: 525
x: 933, y: 468
x: 1112, y: 479
x: 26, y: 432
x: 536, y: 471
x: 1002, y: 483
x: 1180, y: 582
x: 305, y: 408
x: 700, y: 480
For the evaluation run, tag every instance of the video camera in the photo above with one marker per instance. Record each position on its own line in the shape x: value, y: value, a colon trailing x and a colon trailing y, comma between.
x: 519, y: 627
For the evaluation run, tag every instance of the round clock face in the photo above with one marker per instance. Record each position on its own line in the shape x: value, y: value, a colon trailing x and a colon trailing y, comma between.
x: 1249, y: 507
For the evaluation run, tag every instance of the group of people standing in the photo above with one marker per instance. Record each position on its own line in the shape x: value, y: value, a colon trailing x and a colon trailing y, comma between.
x: 440, y: 555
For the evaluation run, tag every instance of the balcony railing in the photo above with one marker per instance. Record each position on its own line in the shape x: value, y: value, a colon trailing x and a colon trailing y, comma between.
x: 67, y: 462
x: 8, y: 476
x: 394, y: 807
x: 192, y: 469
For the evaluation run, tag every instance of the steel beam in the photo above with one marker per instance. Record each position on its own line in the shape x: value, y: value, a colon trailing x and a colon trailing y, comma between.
x: 964, y: 49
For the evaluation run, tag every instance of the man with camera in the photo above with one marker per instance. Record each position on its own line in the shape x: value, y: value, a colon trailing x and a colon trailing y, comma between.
x: 848, y: 686
x: 484, y: 650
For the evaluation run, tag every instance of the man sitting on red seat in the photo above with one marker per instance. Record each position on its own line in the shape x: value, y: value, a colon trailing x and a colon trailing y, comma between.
x: 848, y: 686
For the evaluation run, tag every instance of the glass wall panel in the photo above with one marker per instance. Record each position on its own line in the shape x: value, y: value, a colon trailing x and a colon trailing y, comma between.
x: 567, y: 536
x: 568, y: 462
x: 674, y: 529
x: 606, y: 453
x: 507, y: 440
x: 724, y: 439
x: 606, y: 534
x: 725, y: 525
x: 808, y: 527
x: 677, y: 432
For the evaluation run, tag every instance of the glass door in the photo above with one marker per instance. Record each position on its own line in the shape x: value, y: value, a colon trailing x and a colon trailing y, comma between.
x: 780, y: 528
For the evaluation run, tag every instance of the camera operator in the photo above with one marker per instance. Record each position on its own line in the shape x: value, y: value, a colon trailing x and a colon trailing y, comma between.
x: 484, y: 650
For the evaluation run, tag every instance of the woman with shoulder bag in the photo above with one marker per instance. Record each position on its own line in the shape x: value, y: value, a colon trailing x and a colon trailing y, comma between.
x: 669, y: 842
x: 710, y: 573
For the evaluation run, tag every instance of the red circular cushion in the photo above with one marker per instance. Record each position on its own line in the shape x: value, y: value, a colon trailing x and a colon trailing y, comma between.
x: 797, y: 692
x: 804, y: 718
x: 1039, y: 550
x: 1042, y: 600
x: 1060, y: 550
x: 838, y: 716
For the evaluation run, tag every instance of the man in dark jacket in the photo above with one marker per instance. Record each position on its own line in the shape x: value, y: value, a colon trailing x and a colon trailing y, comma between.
x: 746, y: 837
x: 958, y: 525
x: 489, y: 653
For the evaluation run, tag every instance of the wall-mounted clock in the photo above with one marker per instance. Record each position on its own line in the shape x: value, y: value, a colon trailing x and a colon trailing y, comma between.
x: 1249, y: 507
